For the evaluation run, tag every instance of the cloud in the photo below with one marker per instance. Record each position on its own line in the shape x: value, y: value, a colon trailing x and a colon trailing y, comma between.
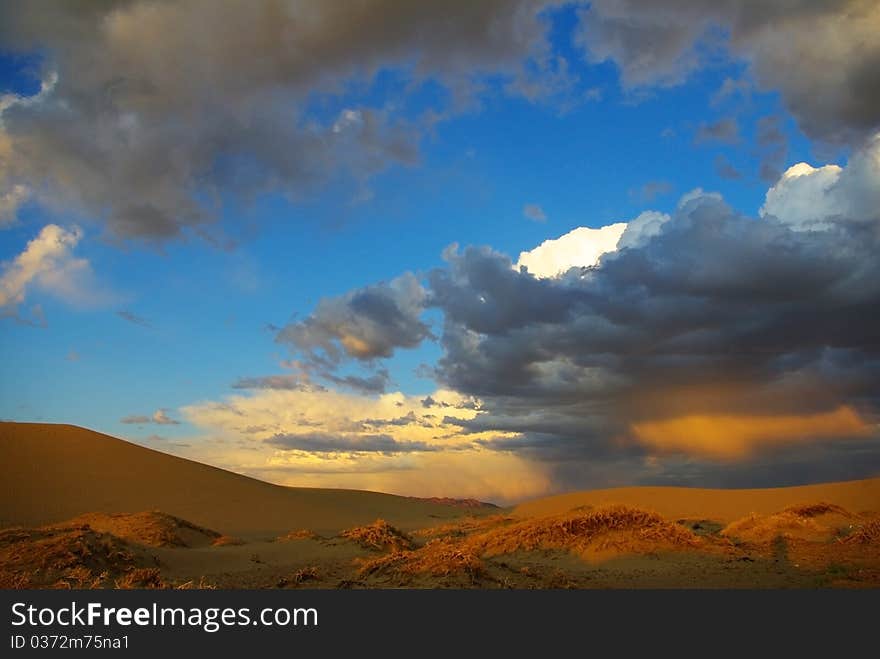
x: 534, y: 213
x: 773, y: 145
x: 159, y: 417
x: 282, y: 382
x: 134, y: 318
x: 390, y: 443
x: 728, y: 437
x: 730, y: 89
x: 10, y: 202
x: 651, y: 190
x: 704, y: 334
x: 580, y: 247
x: 725, y: 131
x: 48, y: 264
x: 326, y: 443
x: 725, y: 169
x: 366, y: 324
x: 622, y: 354
x: 160, y: 110
x: 807, y: 197
x: 660, y: 43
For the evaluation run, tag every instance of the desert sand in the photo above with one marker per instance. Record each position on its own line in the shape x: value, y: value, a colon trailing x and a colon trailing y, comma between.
x: 50, y: 473
x: 720, y: 505
x: 84, y: 510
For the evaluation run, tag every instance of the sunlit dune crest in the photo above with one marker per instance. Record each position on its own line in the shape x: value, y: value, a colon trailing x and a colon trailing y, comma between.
x: 732, y: 437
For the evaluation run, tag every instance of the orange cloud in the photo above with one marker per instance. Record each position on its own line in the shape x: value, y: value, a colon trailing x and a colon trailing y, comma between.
x: 732, y: 437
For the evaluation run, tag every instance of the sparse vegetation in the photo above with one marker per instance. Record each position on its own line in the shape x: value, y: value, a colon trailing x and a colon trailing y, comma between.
x: 379, y: 535
x: 299, y: 534
x: 299, y: 577
x: 868, y: 533
x: 441, y: 557
x: 819, y: 522
x: 614, y: 528
x: 152, y: 529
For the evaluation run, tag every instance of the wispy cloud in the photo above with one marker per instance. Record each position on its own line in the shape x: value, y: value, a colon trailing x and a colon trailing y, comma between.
x: 134, y: 318
x: 159, y: 417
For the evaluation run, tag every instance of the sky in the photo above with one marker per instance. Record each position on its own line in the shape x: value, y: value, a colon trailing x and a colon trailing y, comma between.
x: 495, y: 250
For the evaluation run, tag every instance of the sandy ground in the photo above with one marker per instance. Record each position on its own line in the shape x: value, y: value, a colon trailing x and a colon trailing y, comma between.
x: 80, y: 509
x: 720, y: 505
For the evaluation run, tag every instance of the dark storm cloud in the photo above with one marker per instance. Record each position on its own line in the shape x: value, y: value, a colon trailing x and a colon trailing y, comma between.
x: 773, y: 147
x: 329, y: 443
x: 365, y: 324
x: 371, y: 384
x: 714, y: 293
x: 163, y: 110
x: 835, y: 97
x: 155, y: 114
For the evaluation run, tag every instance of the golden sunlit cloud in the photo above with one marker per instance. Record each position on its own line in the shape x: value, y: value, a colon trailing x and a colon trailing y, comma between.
x: 409, y: 445
x: 734, y: 437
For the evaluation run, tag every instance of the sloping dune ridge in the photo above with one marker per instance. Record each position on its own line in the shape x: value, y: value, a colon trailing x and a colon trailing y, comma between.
x: 720, y: 505
x: 50, y: 473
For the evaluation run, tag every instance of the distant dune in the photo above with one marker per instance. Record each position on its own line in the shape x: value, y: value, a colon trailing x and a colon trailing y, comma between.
x: 720, y: 505
x: 50, y: 473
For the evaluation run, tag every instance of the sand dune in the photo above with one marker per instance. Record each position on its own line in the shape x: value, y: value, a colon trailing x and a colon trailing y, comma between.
x: 50, y: 473
x: 106, y: 513
x: 720, y: 505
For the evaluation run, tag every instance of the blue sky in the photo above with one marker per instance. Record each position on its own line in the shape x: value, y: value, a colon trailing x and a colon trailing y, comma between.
x: 203, y: 313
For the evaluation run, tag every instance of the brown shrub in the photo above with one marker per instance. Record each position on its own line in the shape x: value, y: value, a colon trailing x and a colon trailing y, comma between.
x: 10, y: 580
x: 441, y: 557
x: 817, y: 509
x: 621, y: 528
x: 868, y: 533
x: 153, y: 529
x: 463, y: 527
x: 379, y: 535
x: 201, y: 584
x: 76, y: 557
x: 141, y: 578
x: 817, y: 522
x: 300, y: 576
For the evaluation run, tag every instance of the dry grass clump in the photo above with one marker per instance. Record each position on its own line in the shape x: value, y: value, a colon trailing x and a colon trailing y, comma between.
x: 227, y: 541
x: 299, y: 534
x: 816, y: 522
x: 439, y: 557
x: 149, y: 578
x: 76, y: 557
x: 379, y: 535
x: 153, y: 529
x: 464, y: 527
x: 869, y: 533
x: 618, y: 528
x: 141, y: 578
x: 817, y: 509
x: 299, y: 577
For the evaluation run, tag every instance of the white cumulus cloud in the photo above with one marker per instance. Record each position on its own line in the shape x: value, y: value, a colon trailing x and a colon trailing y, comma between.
x: 814, y: 198
x: 580, y: 247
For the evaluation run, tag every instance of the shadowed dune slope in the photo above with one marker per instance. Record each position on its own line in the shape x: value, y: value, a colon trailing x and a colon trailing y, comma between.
x: 50, y: 473
x: 721, y: 505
